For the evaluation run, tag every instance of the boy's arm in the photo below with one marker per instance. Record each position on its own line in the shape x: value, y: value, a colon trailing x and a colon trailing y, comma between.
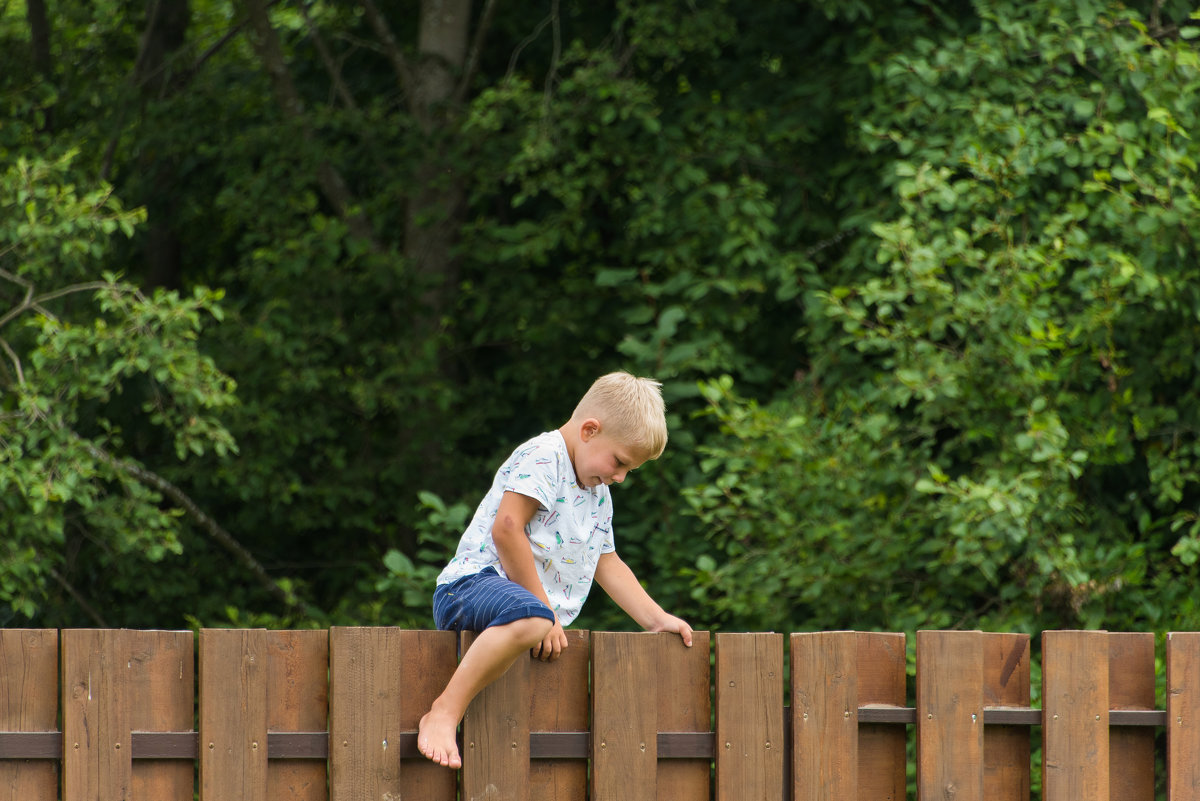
x: 615, y: 577
x: 512, y: 544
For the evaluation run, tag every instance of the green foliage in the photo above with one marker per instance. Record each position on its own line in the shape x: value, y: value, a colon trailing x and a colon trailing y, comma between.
x: 76, y: 350
x: 1010, y: 376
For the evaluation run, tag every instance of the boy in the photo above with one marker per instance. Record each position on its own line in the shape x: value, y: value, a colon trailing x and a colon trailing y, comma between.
x: 538, y: 539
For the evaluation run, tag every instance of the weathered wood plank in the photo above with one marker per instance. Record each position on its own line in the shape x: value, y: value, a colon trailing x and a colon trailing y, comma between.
x: 560, y: 703
x: 233, y: 714
x: 365, y: 694
x: 1075, y: 753
x: 496, y: 735
x: 825, y: 704
x: 28, y: 703
x: 684, y: 705
x: 1006, y: 749
x: 750, y: 743
x: 297, y: 701
x: 1131, y: 686
x: 1183, y: 716
x: 97, y: 758
x: 624, y: 717
x: 427, y: 661
x: 162, y: 673
x: 950, y: 715
x: 881, y: 681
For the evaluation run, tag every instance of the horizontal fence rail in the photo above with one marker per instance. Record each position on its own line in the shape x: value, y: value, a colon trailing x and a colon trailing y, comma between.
x: 318, y: 715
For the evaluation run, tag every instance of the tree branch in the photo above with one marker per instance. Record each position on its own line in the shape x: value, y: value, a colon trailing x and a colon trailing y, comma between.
x: 35, y: 302
x: 485, y: 22
x: 392, y: 50
x: 205, y: 522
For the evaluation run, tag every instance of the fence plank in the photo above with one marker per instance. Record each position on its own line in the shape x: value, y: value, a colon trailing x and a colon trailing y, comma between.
x: 364, y: 704
x: 825, y: 710
x: 496, y: 735
x: 624, y: 717
x: 28, y: 703
x: 1131, y: 686
x: 1006, y: 749
x: 427, y: 660
x: 1075, y: 716
x: 881, y: 681
x: 161, y: 667
x: 950, y: 715
x: 233, y: 714
x: 750, y: 743
x: 559, y: 702
x: 297, y: 701
x: 684, y: 704
x: 1183, y: 716
x: 97, y: 760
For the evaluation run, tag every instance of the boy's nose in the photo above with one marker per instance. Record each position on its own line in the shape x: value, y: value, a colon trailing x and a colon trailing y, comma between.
x: 620, y: 477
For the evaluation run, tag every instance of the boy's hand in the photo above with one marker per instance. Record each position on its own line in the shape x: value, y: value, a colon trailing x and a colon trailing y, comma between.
x: 677, y: 625
x: 552, y: 645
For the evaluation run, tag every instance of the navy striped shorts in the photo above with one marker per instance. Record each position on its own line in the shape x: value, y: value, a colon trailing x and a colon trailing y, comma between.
x: 483, y: 599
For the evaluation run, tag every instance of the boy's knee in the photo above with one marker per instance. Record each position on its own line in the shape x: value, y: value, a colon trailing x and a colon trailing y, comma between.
x: 532, y: 630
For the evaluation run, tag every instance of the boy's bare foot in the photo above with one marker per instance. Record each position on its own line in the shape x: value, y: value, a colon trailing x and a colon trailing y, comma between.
x: 437, y: 739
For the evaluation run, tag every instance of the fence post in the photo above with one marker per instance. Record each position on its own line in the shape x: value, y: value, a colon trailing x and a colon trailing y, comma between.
x: 162, y: 671
x: 560, y: 702
x: 825, y: 716
x: 1131, y: 686
x: 1006, y: 750
x: 233, y: 714
x: 950, y: 715
x: 365, y: 691
x: 1075, y: 716
x: 496, y: 735
x: 750, y: 743
x: 684, y: 705
x: 624, y: 716
x: 29, y: 703
x: 297, y: 701
x: 1183, y: 716
x: 96, y: 728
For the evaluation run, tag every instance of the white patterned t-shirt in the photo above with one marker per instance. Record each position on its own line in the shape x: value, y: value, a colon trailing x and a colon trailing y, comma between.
x: 569, y: 532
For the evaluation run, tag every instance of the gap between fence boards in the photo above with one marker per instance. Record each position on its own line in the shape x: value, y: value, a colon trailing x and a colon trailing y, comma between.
x: 542, y: 745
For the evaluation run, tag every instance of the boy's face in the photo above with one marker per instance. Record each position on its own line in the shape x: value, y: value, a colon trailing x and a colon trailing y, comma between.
x: 601, y: 459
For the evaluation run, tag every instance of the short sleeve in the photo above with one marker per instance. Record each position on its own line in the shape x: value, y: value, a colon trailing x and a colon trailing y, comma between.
x: 534, y: 473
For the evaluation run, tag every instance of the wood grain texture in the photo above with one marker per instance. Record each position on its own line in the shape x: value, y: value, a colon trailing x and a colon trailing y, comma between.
x: 1183, y: 716
x: 233, y: 714
x: 28, y: 703
x: 1075, y: 753
x: 750, y: 742
x: 825, y: 712
x: 950, y: 715
x: 624, y: 717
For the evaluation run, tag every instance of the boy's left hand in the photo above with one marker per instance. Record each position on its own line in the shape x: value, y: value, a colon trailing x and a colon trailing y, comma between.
x: 677, y: 625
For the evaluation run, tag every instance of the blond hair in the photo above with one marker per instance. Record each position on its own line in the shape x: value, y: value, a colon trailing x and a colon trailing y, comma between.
x: 630, y: 409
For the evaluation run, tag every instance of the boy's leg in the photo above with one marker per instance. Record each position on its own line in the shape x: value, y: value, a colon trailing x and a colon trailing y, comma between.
x: 492, y: 653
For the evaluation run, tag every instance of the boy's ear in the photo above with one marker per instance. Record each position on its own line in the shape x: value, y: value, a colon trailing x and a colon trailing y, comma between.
x: 589, y: 428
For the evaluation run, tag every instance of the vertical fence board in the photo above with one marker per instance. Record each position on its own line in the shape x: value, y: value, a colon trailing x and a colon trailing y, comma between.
x: 233, y: 714
x: 1006, y: 749
x: 950, y: 715
x: 496, y: 735
x: 427, y: 661
x: 750, y: 743
x: 1075, y: 716
x: 95, y: 710
x: 364, y: 707
x: 28, y: 702
x: 560, y: 702
x: 825, y: 715
x: 162, y: 672
x: 624, y: 717
x: 1131, y: 686
x: 1183, y: 716
x: 684, y: 705
x: 297, y: 701
x: 881, y: 681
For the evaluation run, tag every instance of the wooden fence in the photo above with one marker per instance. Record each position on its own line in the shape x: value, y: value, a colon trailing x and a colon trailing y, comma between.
x: 315, y: 715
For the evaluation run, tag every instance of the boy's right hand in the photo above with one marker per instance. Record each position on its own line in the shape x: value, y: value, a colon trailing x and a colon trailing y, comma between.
x: 552, y: 645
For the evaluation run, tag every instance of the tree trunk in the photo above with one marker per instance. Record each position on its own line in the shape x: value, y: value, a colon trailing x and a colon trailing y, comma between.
x: 43, y: 62
x: 435, y: 208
